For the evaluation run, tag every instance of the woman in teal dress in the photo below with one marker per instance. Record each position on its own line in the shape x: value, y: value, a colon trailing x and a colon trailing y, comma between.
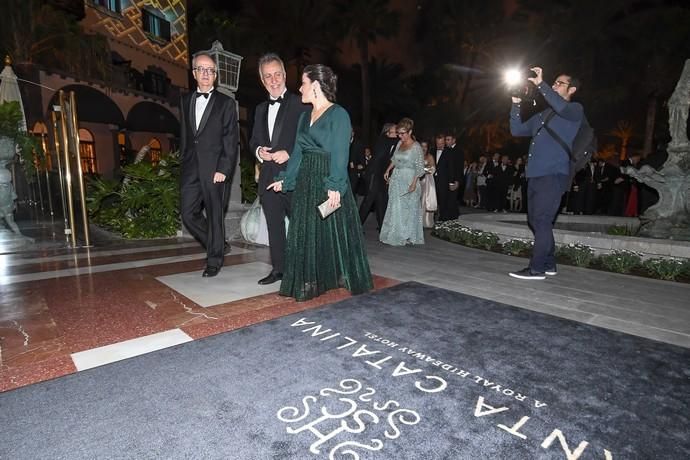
x: 402, y: 224
x: 322, y: 253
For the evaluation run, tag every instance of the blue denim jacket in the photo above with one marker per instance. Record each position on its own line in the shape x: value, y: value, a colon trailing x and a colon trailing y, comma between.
x: 546, y: 156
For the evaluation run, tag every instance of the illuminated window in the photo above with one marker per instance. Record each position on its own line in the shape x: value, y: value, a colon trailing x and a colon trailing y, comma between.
x: 87, y: 152
x: 110, y: 5
x: 155, y: 151
x: 41, y: 132
x: 122, y: 145
x: 155, y: 25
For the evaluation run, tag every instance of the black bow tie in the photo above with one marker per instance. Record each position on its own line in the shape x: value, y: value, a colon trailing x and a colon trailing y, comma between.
x: 273, y: 101
x: 206, y: 95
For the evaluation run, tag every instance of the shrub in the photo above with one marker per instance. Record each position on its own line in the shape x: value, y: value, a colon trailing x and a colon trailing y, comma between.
x: 146, y: 204
x: 483, y: 240
x: 517, y: 248
x: 620, y: 261
x: 665, y: 269
x: 621, y: 230
x: 579, y: 254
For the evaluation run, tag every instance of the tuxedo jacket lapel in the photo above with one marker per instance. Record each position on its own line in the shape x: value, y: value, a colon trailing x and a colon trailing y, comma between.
x: 207, y: 112
x: 192, y: 112
x: 280, y: 117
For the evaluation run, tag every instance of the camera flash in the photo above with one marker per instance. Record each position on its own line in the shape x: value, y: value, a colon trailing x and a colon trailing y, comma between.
x: 512, y: 77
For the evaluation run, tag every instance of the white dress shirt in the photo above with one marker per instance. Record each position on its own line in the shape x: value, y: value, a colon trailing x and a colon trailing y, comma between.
x: 272, y: 115
x: 200, y: 106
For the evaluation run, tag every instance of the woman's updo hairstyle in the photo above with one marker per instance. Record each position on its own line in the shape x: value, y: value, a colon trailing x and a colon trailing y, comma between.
x: 326, y: 78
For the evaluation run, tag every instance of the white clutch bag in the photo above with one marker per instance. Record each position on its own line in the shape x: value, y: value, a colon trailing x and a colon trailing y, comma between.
x: 325, y: 210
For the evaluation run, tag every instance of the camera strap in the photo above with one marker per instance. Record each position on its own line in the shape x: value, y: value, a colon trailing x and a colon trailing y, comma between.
x: 555, y: 136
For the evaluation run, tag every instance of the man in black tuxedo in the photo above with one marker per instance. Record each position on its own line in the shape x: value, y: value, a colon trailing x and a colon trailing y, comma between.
x: 273, y: 137
x: 377, y: 191
x: 447, y: 177
x: 208, y: 142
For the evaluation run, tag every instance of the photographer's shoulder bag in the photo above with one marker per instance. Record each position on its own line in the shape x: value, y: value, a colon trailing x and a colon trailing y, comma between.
x: 584, y: 144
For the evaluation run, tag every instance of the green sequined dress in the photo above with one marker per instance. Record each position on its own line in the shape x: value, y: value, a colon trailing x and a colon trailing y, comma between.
x: 322, y: 254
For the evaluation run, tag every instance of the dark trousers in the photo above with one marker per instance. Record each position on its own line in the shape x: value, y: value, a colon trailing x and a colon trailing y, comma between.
x: 276, y: 207
x: 544, y: 198
x: 201, y: 206
x: 447, y: 202
x: 376, y: 198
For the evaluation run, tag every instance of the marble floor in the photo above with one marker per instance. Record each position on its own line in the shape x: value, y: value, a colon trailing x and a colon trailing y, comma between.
x: 66, y: 310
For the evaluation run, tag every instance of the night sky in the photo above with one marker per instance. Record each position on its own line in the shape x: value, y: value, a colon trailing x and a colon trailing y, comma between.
x: 444, y: 62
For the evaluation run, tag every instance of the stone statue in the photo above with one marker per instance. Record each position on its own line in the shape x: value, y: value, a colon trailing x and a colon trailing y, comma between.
x: 670, y: 216
x: 7, y: 193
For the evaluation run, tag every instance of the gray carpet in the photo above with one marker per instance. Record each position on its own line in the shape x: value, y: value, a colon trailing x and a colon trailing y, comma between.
x: 409, y: 372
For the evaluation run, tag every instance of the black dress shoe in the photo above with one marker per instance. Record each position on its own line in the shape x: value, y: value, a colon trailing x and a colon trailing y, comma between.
x: 210, y: 272
x: 271, y: 278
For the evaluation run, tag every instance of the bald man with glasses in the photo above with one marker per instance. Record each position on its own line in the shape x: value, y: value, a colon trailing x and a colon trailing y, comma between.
x: 209, y: 136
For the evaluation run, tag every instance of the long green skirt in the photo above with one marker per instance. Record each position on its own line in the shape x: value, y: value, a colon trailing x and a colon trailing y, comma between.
x: 322, y: 254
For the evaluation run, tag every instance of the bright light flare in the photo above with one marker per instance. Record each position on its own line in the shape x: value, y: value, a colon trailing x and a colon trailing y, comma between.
x: 513, y: 77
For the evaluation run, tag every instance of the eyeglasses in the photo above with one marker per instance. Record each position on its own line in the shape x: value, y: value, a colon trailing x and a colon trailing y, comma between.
x: 205, y: 70
x: 560, y: 83
x: 400, y: 133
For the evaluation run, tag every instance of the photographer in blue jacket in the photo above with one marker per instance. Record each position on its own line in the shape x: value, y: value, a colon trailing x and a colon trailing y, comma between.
x: 548, y: 164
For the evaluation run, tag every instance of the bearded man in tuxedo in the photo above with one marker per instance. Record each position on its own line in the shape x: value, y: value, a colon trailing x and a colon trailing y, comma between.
x: 273, y: 137
x: 209, y: 135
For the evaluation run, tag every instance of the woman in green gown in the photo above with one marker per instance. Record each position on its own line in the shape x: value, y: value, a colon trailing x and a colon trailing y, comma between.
x: 322, y: 253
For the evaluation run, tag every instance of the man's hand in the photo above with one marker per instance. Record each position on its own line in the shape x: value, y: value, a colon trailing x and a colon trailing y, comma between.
x: 453, y: 186
x: 218, y: 177
x: 280, y: 157
x: 276, y: 186
x: 538, y: 79
x: 265, y: 154
x: 516, y: 100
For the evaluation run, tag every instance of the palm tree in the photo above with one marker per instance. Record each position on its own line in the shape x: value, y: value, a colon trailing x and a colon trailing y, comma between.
x: 624, y: 131
x: 364, y: 21
x: 34, y: 32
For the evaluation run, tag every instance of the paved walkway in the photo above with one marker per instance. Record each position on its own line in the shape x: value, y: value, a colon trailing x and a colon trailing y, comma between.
x: 63, y: 310
x: 654, y: 309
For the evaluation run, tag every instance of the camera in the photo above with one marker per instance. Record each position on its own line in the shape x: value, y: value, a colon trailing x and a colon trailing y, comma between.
x: 518, y: 85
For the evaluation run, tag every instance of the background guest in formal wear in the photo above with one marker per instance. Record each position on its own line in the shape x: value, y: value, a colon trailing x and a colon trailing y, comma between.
x: 447, y: 180
x: 503, y: 180
x: 469, y: 195
x: 458, y: 186
x: 322, y: 253
x: 429, y: 202
x: 403, y: 222
x: 273, y: 138
x: 481, y: 182
x: 208, y: 142
x: 377, y: 189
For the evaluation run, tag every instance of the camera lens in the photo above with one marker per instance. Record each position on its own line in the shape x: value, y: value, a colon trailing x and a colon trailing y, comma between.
x: 531, y: 74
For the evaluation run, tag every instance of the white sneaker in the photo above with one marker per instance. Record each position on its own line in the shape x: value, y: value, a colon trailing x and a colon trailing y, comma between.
x: 551, y: 272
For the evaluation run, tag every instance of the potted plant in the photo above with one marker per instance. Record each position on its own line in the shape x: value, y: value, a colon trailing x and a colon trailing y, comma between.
x: 11, y: 135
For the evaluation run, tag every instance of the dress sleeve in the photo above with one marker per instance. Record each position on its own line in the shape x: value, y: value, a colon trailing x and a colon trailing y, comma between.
x: 339, y: 146
x: 418, y: 160
x: 289, y: 176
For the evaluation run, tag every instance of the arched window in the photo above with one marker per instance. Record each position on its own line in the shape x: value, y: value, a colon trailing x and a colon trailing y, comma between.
x: 87, y: 151
x: 155, y: 145
x: 122, y: 145
x: 41, y: 132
